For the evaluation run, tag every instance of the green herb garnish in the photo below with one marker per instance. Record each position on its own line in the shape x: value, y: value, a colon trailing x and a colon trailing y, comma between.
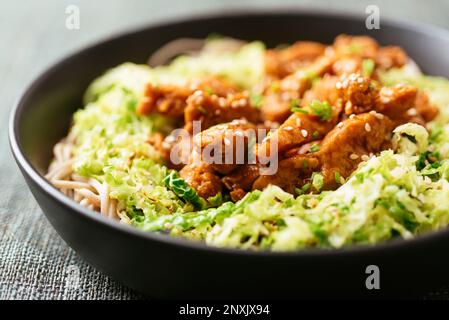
x: 321, y: 109
x: 337, y: 176
x: 256, y: 99
x: 294, y: 107
x: 315, y: 148
x: 367, y: 67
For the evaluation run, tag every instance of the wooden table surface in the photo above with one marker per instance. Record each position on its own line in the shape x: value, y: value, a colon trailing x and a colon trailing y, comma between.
x: 34, y: 262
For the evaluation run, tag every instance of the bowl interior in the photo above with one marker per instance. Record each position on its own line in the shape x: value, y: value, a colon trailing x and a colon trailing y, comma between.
x: 44, y: 113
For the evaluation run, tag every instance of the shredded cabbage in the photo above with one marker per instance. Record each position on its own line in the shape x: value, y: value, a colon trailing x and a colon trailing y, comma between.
x: 399, y: 193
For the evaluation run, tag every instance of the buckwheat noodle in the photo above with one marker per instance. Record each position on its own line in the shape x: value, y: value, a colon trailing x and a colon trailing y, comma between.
x: 88, y: 192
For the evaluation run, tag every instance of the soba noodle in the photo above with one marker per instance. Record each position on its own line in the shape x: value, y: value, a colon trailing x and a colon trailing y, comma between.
x: 88, y: 192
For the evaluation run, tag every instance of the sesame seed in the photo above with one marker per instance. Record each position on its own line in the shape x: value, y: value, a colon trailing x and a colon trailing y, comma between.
x: 222, y: 102
x: 304, y: 133
x: 288, y: 128
x: 387, y: 91
x: 364, y: 157
x: 198, y: 99
x: 298, y: 122
x: 352, y: 116
x: 340, y: 124
x: 379, y: 116
x: 198, y: 93
x: 384, y: 99
x: 170, y: 138
x: 353, y: 156
x: 344, y: 85
x: 226, y: 141
x: 348, y: 104
x: 367, y: 127
x: 360, y: 80
x: 239, y: 133
x: 412, y: 112
x: 338, y: 85
x: 242, y: 102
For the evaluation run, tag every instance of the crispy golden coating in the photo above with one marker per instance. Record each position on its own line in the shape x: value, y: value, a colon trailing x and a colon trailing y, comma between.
x: 340, y: 151
x: 218, y: 151
x: 323, y: 90
x: 347, y: 144
x: 292, y: 172
x: 325, y: 105
x: 281, y: 62
x: 427, y: 110
x: 390, y: 57
x: 279, y: 95
x: 202, y: 178
x: 240, y: 181
x: 396, y: 101
x: 347, y: 65
x: 171, y: 100
x: 210, y: 110
x: 168, y: 100
x: 359, y: 94
x: 363, y: 46
x: 299, y: 128
x: 225, y: 145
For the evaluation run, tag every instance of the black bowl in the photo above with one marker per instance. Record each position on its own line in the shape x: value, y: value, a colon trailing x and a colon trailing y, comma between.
x: 161, y: 266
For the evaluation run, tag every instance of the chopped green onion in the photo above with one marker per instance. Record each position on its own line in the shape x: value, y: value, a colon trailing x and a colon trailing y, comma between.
x: 202, y: 110
x: 337, y: 177
x: 315, y: 148
x: 367, y: 67
x: 256, y: 99
x: 317, y: 181
x: 322, y: 109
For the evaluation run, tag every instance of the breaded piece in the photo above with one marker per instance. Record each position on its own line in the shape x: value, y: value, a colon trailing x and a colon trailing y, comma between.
x: 210, y: 110
x: 240, y: 181
x: 281, y: 62
x: 340, y: 151
x: 225, y: 145
x: 171, y: 100
x: 201, y: 177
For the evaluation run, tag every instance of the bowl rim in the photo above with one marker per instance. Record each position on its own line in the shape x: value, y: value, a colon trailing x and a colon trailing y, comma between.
x: 28, y: 169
